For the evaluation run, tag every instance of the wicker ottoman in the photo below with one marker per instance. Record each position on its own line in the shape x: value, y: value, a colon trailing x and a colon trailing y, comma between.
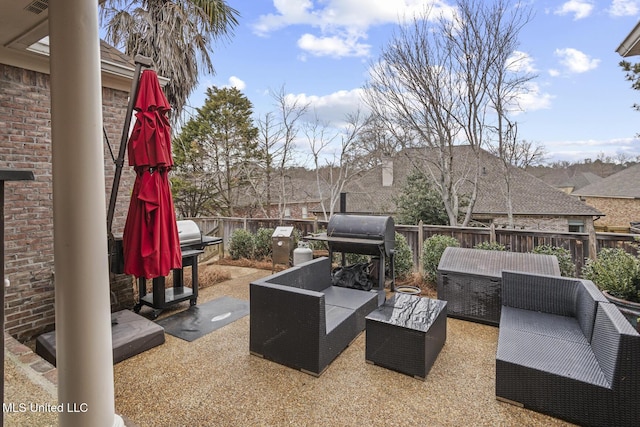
x: 406, y: 334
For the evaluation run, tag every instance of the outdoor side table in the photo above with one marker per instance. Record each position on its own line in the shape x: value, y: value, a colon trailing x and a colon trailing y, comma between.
x: 406, y: 334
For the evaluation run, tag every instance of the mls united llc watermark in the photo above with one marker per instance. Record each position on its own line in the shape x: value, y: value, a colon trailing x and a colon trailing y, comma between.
x: 13, y: 407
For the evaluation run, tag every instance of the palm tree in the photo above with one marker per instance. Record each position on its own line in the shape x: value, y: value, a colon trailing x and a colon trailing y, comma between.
x: 177, y: 35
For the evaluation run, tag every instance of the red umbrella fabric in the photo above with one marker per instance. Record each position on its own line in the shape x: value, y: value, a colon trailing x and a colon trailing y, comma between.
x: 151, y: 244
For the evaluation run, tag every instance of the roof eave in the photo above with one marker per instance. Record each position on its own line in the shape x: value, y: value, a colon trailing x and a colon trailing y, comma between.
x: 542, y: 213
x: 608, y: 196
x: 630, y: 46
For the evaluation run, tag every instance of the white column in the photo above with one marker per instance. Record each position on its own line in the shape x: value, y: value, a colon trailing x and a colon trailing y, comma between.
x: 83, y: 318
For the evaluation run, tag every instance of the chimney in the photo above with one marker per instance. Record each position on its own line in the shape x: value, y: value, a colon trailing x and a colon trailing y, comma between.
x: 387, y: 171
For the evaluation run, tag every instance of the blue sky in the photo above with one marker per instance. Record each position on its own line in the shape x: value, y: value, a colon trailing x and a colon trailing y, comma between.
x: 320, y: 50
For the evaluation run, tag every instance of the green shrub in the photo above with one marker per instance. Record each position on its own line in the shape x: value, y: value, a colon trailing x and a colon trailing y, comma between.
x: 490, y: 246
x: 319, y: 245
x: 567, y: 267
x: 617, y: 272
x: 241, y: 244
x: 403, y: 257
x: 263, y: 243
x: 432, y: 251
x: 351, y: 259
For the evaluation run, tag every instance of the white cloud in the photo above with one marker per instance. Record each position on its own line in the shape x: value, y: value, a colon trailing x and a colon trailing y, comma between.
x: 624, y: 8
x: 334, y: 107
x: 345, y: 14
x: 520, y: 62
x: 579, y: 8
x: 237, y: 83
x: 333, y: 46
x: 578, y: 150
x: 532, y: 99
x: 576, y: 61
x: 342, y: 24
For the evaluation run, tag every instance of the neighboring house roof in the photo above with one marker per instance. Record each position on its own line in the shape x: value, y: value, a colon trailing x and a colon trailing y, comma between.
x: 366, y: 194
x: 529, y: 195
x: 623, y: 184
x: 565, y: 178
x: 581, y: 179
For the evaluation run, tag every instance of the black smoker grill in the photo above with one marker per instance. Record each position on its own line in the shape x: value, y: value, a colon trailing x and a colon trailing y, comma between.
x: 364, y: 235
x: 192, y: 244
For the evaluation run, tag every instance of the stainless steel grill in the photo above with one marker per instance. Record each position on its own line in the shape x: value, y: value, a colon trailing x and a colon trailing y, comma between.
x: 192, y: 244
x: 191, y: 238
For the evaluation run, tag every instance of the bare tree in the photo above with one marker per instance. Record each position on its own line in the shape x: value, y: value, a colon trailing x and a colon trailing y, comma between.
x: 277, y: 132
x: 514, y: 153
x: 334, y: 170
x: 318, y: 138
x: 377, y: 142
x: 434, y: 81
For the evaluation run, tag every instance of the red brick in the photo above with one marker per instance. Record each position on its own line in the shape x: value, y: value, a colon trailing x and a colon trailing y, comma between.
x: 25, y: 132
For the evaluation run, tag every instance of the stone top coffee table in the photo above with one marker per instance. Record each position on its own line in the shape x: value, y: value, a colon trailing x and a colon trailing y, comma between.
x: 406, y: 334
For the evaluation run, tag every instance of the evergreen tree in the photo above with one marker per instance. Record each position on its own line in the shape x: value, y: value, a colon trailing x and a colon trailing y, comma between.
x: 215, y: 154
x: 420, y: 201
x: 632, y: 74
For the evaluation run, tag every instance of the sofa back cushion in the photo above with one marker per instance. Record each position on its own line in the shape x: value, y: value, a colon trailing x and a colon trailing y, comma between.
x: 549, y: 294
x: 587, y: 298
x: 616, y: 345
x: 314, y: 275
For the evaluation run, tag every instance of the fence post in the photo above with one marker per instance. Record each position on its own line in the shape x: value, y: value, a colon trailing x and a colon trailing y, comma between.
x: 420, y: 244
x: 593, y: 241
x: 492, y: 233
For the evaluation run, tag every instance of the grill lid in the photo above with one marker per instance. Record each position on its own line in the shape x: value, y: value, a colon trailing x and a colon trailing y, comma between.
x: 189, y: 233
x: 361, y: 234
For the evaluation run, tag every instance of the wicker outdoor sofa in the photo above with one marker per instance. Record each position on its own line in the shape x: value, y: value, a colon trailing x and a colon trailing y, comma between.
x: 298, y: 319
x: 563, y: 350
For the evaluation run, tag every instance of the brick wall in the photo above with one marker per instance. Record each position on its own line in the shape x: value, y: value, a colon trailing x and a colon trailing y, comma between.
x: 619, y: 213
x: 25, y: 142
x: 534, y: 223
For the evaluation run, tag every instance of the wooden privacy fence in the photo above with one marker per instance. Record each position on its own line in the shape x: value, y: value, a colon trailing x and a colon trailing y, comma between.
x: 515, y: 240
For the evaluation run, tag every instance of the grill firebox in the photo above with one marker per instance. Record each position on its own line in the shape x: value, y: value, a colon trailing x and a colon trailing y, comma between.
x: 364, y: 235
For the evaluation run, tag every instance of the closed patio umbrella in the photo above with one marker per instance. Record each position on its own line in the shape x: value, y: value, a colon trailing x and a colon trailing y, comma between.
x: 151, y: 244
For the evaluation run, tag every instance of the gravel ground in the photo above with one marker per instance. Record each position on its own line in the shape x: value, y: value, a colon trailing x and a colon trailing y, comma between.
x: 22, y: 391
x: 214, y: 381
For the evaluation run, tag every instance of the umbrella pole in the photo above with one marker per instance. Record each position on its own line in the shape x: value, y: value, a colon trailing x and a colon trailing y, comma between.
x: 140, y: 62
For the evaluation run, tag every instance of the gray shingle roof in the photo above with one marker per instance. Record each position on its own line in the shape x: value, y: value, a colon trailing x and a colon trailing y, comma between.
x: 625, y: 183
x: 111, y: 54
x: 530, y: 195
x: 564, y: 177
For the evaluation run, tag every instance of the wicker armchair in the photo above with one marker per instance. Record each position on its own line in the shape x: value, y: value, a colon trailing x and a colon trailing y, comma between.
x: 298, y: 319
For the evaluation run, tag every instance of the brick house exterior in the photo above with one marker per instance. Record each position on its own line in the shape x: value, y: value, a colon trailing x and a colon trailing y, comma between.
x: 617, y: 196
x: 620, y: 213
x: 25, y: 142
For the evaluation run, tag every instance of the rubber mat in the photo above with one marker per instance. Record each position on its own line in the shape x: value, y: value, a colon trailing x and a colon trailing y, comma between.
x: 201, y: 319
